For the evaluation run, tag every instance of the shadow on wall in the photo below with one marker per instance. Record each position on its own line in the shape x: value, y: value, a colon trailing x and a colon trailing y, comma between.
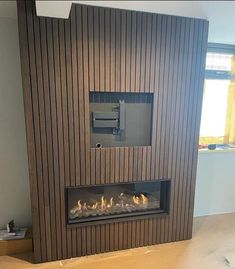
x: 14, y: 182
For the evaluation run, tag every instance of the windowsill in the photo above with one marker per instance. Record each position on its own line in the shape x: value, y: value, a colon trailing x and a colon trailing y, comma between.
x: 216, y: 150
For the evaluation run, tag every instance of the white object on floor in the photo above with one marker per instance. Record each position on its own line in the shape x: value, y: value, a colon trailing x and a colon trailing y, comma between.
x: 19, y: 234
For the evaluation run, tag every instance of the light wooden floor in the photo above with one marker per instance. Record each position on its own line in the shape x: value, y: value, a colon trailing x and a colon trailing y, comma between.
x: 212, y: 247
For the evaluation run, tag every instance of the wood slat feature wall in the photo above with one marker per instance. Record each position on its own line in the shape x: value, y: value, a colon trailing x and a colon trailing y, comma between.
x: 100, y: 49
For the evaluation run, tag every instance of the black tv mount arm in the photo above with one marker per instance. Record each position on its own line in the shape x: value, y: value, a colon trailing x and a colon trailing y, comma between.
x: 115, y: 119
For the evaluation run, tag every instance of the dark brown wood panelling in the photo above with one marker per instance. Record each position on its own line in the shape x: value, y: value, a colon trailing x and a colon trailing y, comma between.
x: 108, y: 50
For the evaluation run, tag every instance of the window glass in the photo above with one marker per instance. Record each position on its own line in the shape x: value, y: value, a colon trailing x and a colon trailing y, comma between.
x: 214, y: 108
x: 218, y: 61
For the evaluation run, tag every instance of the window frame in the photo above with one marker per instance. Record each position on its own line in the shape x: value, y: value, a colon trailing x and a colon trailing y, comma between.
x: 218, y: 75
x: 223, y: 49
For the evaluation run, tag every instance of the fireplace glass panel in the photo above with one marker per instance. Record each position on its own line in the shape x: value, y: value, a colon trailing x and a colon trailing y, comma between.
x: 96, y: 203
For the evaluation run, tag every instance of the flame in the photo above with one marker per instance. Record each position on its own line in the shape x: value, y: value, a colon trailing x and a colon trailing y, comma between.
x: 94, y: 206
x: 76, y: 208
x: 136, y: 200
x: 79, y: 205
x: 111, y: 201
x: 144, y: 199
x: 103, y: 202
x: 121, y: 195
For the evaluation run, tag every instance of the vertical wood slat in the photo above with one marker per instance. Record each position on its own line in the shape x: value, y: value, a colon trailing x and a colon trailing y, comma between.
x: 176, y: 148
x: 169, y: 85
x: 133, y: 234
x: 116, y: 165
x: 144, y: 164
x: 116, y: 236
x: 107, y: 166
x: 186, y: 67
x: 130, y: 163
x: 139, y: 163
x: 102, y: 166
x: 143, y: 52
x: 98, y: 239
x: 102, y: 238
x: 152, y: 85
x: 128, y: 52
x: 138, y: 51
x: 172, y: 143
x: 26, y: 83
x: 96, y: 49
x: 107, y: 45
x: 196, y: 123
x: 126, y: 165
x: 43, y: 136
x: 160, y: 121
x: 38, y: 140
x: 93, y: 242
x: 163, y: 83
x: 135, y: 163
x: 111, y: 236
x: 180, y: 135
x: 91, y: 65
x: 187, y: 143
x: 54, y: 122
x: 71, y: 142
x: 79, y: 102
x: 113, y: 50
x: 97, y: 166
x: 65, y: 151
x: 82, y: 240
x: 107, y: 238
x: 112, y: 166
x: 148, y: 51
x: 157, y: 97
x: 86, y: 87
x: 121, y: 164
x: 133, y: 51
x: 58, y: 87
x: 118, y: 50
x: 123, y: 52
x: 100, y: 49
x: 93, y: 164
x: 78, y: 117
x: 120, y: 235
x: 74, y: 97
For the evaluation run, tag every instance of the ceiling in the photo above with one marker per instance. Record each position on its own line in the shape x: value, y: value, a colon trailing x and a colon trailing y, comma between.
x: 219, y: 13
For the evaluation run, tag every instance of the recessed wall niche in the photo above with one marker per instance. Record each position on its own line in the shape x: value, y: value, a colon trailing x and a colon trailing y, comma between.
x: 120, y: 119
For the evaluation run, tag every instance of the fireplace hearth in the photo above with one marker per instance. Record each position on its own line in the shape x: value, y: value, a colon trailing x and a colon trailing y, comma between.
x: 113, y: 202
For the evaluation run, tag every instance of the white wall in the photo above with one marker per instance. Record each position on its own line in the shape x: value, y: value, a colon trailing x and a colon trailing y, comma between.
x: 215, y: 186
x: 14, y: 183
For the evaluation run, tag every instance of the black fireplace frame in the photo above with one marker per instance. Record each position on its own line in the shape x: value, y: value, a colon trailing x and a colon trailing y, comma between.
x: 163, y: 211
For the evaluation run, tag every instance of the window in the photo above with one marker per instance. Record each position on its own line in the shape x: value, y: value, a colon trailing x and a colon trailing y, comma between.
x: 218, y: 108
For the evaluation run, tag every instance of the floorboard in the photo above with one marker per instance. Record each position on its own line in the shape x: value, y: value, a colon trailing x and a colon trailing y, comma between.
x: 212, y: 247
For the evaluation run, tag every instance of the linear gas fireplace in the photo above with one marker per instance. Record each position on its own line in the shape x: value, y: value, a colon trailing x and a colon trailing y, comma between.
x: 115, y: 202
